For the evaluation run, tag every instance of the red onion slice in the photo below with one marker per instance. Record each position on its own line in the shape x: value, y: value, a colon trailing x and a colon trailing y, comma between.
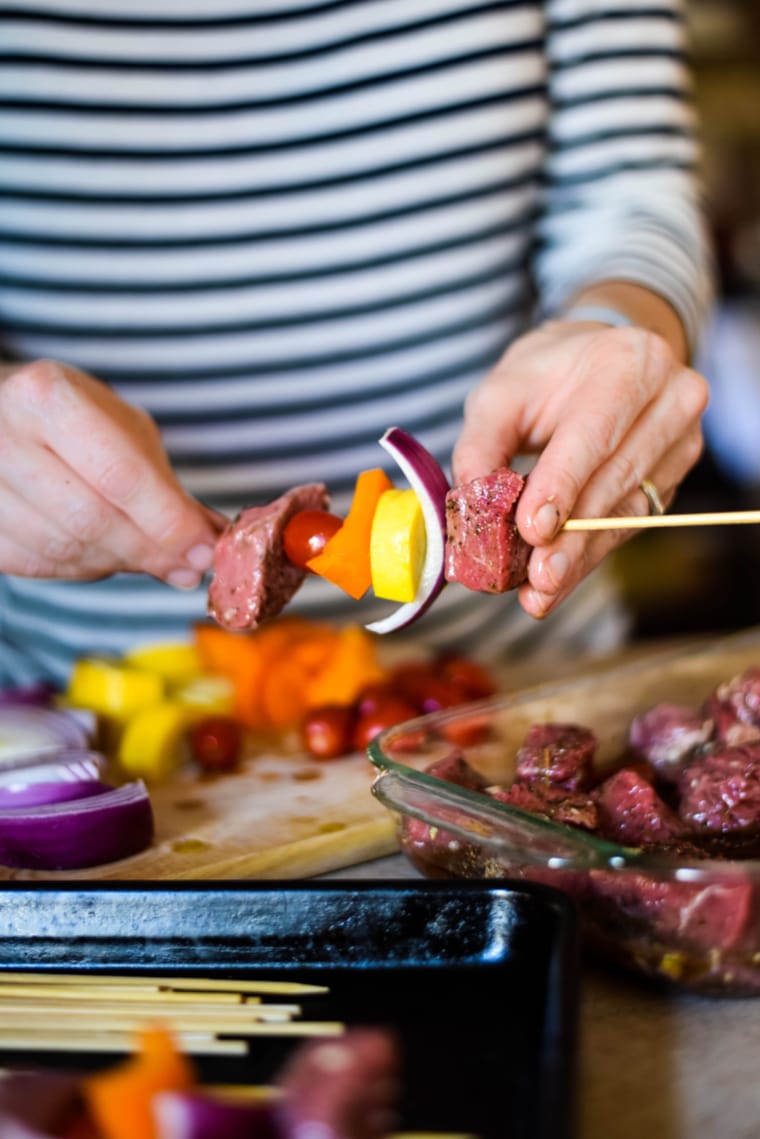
x: 197, y: 1115
x: 39, y: 694
x: 70, y: 766
x: 428, y: 480
x: 29, y: 734
x: 84, y: 832
x: 41, y: 794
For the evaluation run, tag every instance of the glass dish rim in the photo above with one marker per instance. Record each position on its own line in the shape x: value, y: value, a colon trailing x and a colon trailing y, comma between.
x: 409, y: 785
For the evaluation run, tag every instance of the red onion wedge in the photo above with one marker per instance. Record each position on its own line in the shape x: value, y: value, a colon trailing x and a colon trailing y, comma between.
x: 71, y: 774
x: 198, y: 1115
x: 84, y: 832
x: 30, y: 734
x: 39, y: 694
x: 428, y: 480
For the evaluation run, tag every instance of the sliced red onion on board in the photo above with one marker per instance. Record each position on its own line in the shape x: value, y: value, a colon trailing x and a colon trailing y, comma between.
x: 39, y: 694
x: 429, y: 482
x: 24, y: 795
x: 29, y: 734
x: 87, y: 831
x: 196, y: 1115
x: 73, y: 765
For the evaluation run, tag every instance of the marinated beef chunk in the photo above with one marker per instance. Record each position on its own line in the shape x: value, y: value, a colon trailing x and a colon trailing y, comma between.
x: 434, y: 848
x: 484, y: 550
x: 734, y: 708
x: 431, y: 844
x: 345, y: 1088
x: 692, y: 915
x: 556, y: 803
x: 667, y: 736
x: 720, y: 792
x: 253, y: 579
x: 454, y: 768
x: 558, y: 754
x: 632, y: 813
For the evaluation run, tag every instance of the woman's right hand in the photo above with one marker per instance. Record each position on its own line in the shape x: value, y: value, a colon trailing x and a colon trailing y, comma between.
x: 86, y: 488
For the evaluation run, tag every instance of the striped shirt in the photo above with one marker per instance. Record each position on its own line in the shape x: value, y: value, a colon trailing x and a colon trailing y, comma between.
x: 282, y: 226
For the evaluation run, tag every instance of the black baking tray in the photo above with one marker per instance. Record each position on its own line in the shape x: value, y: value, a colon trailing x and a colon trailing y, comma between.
x: 478, y: 980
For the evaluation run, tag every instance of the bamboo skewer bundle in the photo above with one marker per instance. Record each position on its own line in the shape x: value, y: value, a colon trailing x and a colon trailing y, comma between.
x: 90, y: 1013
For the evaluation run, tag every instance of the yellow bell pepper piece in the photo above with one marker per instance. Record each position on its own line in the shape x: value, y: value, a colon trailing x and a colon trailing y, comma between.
x: 150, y: 747
x: 397, y: 545
x: 176, y: 663
x: 207, y: 694
x: 109, y: 688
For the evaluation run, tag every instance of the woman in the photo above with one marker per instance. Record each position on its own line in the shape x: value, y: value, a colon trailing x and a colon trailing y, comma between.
x: 239, y: 239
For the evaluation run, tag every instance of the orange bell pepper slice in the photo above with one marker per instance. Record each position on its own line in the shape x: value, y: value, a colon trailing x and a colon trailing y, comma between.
x: 351, y: 666
x: 120, y: 1099
x: 345, y: 560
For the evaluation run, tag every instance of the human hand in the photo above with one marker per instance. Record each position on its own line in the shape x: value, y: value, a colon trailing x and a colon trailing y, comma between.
x: 86, y: 488
x: 603, y: 408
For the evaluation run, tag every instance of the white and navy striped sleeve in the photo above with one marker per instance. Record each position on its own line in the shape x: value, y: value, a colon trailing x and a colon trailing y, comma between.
x: 622, y: 187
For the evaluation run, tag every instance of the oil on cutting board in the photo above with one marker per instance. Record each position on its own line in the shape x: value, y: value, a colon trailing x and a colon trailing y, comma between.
x: 276, y: 817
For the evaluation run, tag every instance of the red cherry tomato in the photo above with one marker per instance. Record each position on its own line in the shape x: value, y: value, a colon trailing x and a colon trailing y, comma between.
x: 373, y: 695
x: 216, y: 743
x: 307, y: 533
x: 383, y: 715
x: 327, y: 731
x: 473, y: 678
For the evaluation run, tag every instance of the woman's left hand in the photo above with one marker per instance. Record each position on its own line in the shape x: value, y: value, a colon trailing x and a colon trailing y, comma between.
x: 603, y: 409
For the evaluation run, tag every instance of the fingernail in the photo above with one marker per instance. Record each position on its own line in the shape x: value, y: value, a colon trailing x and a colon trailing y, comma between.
x: 558, y: 565
x: 536, y: 604
x: 184, y: 579
x: 546, y: 522
x: 200, y: 557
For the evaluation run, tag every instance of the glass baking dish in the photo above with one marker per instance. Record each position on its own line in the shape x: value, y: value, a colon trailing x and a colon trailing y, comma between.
x: 693, y: 922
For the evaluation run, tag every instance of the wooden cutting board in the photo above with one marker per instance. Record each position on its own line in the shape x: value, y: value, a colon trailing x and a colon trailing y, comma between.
x: 278, y: 817
x: 286, y: 816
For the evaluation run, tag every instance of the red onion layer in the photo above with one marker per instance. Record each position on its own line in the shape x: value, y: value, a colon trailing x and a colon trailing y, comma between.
x: 429, y: 482
x: 87, y: 831
x: 30, y: 734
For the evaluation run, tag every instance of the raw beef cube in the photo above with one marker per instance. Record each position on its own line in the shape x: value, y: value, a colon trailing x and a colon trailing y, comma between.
x: 557, y: 753
x: 484, y: 550
x: 632, y: 813
x: 720, y: 792
x: 253, y: 579
x: 667, y: 736
x: 734, y: 708
x: 692, y: 915
x: 454, y: 768
x: 556, y: 803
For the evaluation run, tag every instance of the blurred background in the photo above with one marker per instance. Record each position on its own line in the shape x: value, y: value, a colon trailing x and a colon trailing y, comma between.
x: 708, y: 579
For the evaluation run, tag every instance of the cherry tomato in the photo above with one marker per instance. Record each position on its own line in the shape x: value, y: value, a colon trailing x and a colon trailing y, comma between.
x: 327, y: 731
x: 467, y: 730
x: 383, y: 715
x: 216, y: 743
x: 307, y: 533
x: 373, y: 695
x: 473, y: 678
x: 412, y: 681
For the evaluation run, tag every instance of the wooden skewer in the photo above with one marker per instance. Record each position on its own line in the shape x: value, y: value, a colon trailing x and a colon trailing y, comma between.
x: 101, y: 1012
x: 47, y: 1020
x: 130, y: 994
x: 49, y: 1040
x: 173, y: 984
x: 661, y: 521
